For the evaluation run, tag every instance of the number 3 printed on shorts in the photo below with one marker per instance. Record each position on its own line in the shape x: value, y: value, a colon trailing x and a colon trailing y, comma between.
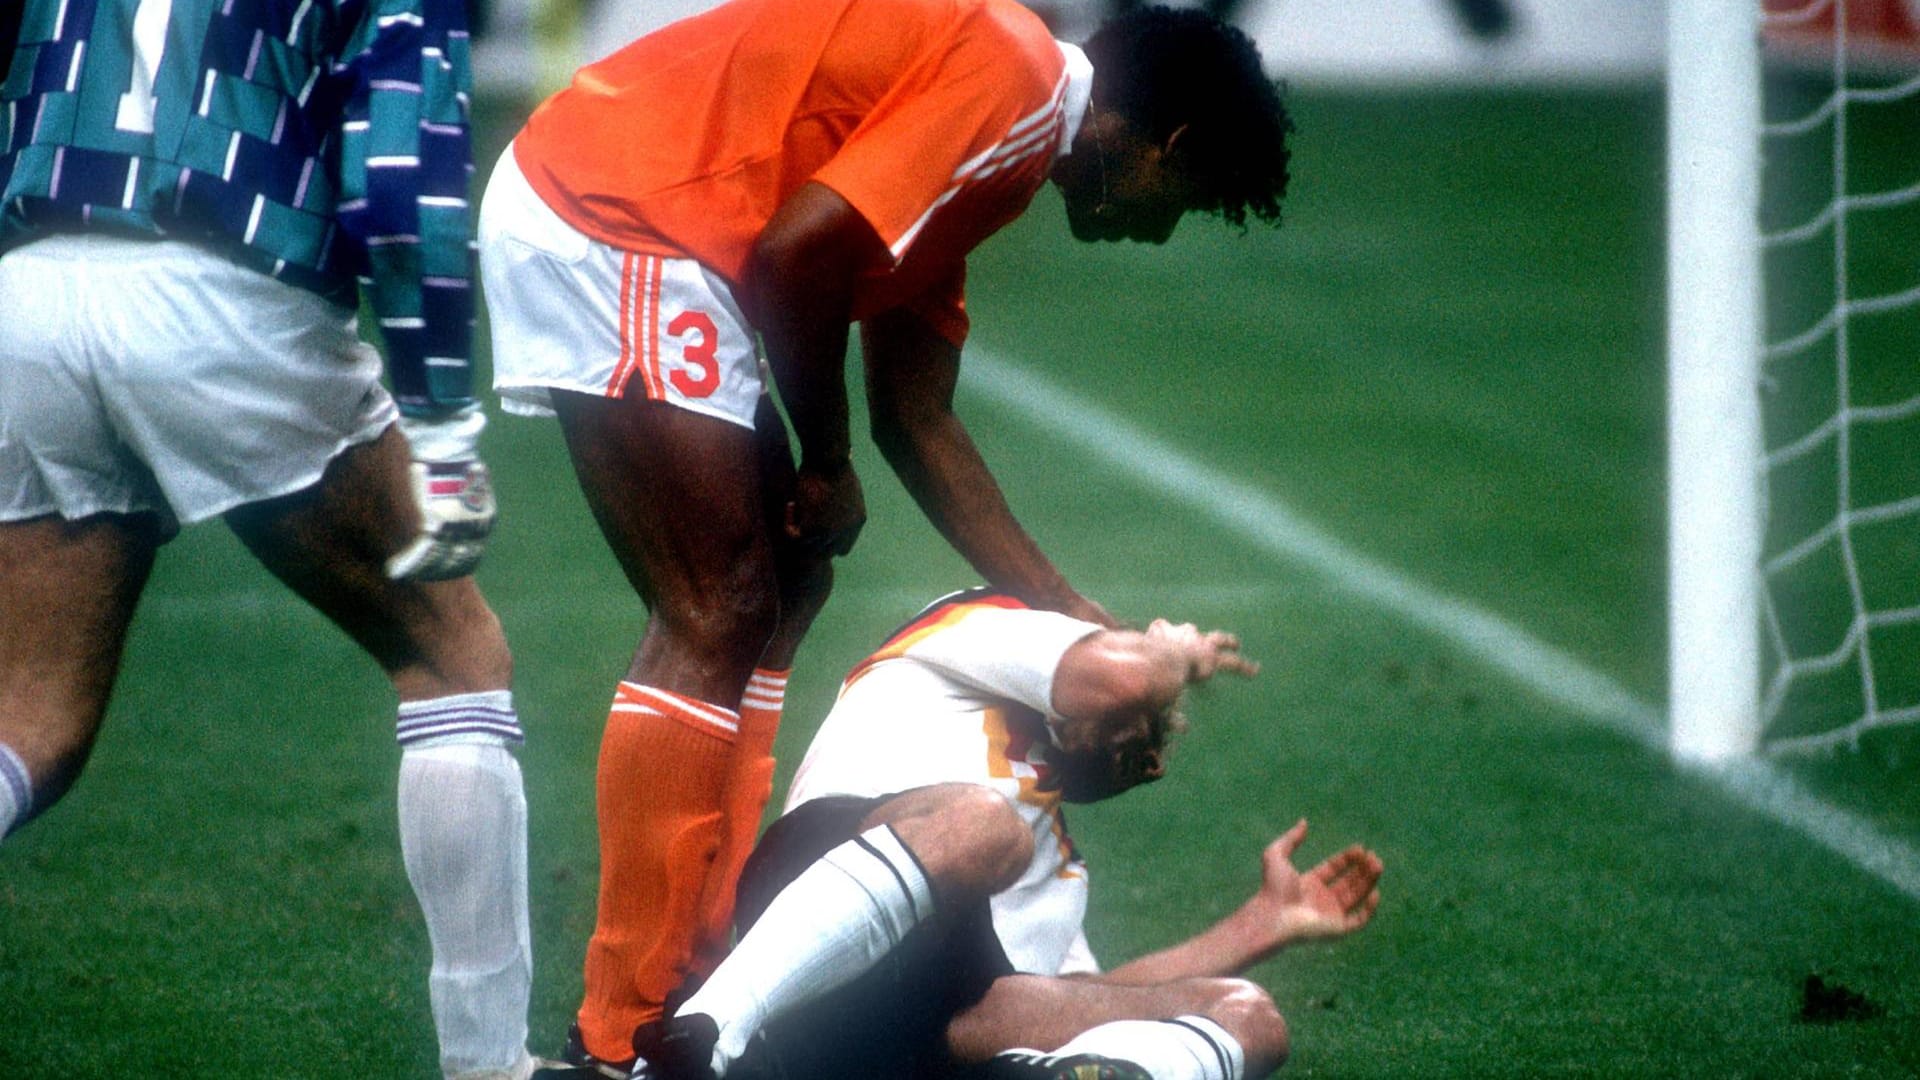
x: 700, y: 376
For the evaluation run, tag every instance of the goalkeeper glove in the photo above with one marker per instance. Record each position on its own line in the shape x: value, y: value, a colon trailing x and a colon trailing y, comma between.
x: 455, y: 495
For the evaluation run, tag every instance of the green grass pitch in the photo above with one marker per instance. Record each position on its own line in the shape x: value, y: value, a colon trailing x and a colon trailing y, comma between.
x: 1449, y: 359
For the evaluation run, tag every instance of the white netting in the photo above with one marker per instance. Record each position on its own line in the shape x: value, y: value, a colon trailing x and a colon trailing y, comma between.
x: 1841, y: 389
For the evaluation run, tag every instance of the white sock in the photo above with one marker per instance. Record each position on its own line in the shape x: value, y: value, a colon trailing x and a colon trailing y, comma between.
x: 826, y: 928
x: 1187, y: 1048
x: 463, y: 836
x: 16, y: 791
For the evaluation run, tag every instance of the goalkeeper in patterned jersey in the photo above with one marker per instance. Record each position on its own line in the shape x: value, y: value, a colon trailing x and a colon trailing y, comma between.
x: 197, y: 196
x: 917, y: 911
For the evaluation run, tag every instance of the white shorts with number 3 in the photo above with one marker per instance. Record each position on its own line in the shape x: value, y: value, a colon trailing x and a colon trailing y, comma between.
x: 571, y: 313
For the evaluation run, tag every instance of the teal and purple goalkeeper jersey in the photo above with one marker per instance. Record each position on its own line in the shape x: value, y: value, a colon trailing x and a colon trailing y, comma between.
x: 319, y: 141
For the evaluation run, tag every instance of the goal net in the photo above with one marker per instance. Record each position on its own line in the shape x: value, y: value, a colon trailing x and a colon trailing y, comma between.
x: 1794, y: 373
x: 1839, y: 371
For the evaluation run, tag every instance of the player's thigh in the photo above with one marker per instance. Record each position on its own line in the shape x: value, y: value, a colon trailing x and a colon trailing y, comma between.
x: 68, y: 591
x: 778, y: 471
x: 652, y: 369
x: 329, y: 543
x: 677, y: 495
x: 967, y: 838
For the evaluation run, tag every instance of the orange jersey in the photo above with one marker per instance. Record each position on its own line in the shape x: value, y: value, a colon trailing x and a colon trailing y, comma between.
x: 937, y: 120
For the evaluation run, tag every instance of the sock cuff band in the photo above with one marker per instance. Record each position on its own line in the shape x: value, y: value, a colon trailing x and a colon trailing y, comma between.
x: 632, y: 698
x: 879, y: 863
x: 766, y: 690
x: 1226, y: 1049
x: 485, y: 716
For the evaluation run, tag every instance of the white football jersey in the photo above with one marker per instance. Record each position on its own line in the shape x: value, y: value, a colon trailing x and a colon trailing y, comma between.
x: 963, y: 694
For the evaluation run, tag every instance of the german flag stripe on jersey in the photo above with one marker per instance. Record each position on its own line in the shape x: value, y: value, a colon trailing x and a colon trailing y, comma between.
x: 1010, y: 740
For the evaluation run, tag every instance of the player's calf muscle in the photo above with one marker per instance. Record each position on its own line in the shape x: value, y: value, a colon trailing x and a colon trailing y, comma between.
x: 463, y: 649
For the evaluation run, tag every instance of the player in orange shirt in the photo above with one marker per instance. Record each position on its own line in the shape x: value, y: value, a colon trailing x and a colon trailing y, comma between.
x: 779, y: 170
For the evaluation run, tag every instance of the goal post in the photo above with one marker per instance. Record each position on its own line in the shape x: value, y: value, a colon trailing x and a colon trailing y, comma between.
x: 1794, y: 378
x: 1714, y: 344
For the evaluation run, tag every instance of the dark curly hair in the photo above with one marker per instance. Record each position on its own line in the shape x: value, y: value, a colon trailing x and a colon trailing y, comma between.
x: 1165, y: 68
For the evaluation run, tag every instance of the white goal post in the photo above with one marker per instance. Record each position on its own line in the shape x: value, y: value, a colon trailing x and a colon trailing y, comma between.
x: 1794, y: 418
x: 1714, y: 342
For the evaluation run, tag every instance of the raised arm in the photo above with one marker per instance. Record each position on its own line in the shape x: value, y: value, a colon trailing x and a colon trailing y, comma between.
x: 799, y: 295
x: 1125, y: 671
x: 1335, y: 898
x: 911, y: 374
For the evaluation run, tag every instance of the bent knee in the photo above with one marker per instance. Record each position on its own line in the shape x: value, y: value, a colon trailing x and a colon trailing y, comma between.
x: 1248, y: 1013
x: 999, y: 839
x: 969, y: 839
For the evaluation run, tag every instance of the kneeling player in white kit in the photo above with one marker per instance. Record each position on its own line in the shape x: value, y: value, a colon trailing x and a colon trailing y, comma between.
x: 918, y: 909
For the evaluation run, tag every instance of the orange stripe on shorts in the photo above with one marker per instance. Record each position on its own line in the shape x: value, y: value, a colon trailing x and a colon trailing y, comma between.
x: 616, y: 386
x: 650, y: 355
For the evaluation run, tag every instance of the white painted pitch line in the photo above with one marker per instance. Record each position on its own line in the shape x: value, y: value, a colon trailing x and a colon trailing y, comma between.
x: 1271, y: 525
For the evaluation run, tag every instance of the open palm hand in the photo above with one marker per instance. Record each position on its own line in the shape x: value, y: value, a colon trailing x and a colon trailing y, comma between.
x: 1334, y: 898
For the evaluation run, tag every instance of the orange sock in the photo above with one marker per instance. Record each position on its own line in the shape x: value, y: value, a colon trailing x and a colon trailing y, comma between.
x: 750, y: 786
x: 662, y: 794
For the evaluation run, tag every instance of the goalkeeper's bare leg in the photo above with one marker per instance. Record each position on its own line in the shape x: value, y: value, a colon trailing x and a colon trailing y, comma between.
x: 462, y: 807
x: 70, y: 589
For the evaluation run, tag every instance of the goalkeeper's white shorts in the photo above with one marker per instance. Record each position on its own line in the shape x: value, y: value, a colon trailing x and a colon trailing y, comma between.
x: 571, y: 313
x: 142, y: 375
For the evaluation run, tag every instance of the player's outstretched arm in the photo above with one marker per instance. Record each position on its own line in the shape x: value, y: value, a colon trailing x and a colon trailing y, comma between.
x: 1334, y: 898
x: 911, y: 374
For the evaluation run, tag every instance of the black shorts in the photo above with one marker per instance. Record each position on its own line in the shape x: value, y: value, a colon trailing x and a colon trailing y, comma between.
x: 892, y: 1021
